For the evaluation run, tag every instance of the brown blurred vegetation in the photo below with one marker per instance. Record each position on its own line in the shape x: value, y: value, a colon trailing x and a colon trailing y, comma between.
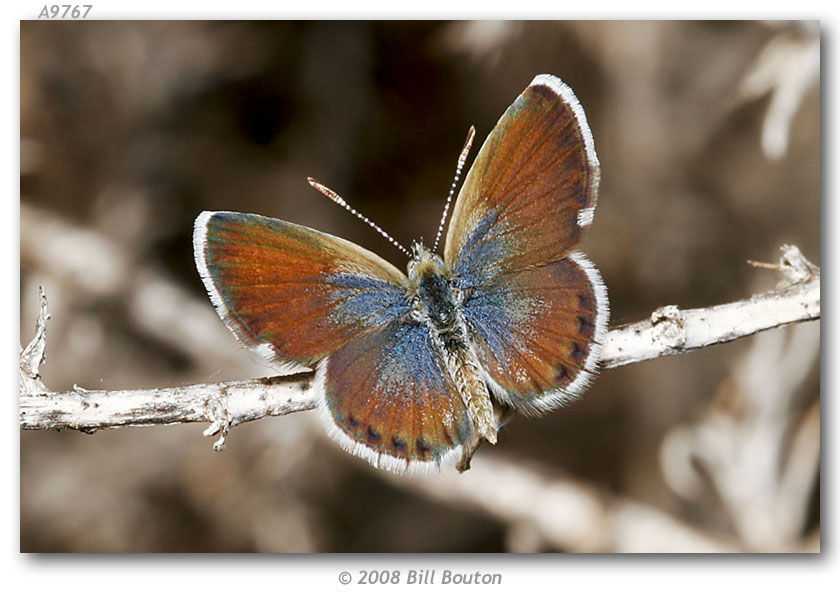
x: 130, y: 129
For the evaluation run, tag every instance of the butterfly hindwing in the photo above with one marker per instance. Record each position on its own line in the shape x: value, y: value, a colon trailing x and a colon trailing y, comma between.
x: 536, y: 309
x: 389, y: 399
x: 536, y: 332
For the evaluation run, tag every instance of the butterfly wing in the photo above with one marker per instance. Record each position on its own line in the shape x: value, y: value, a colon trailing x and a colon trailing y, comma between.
x: 531, y: 192
x: 300, y: 297
x: 291, y: 293
x: 537, y: 331
x: 389, y: 400
x: 537, y: 310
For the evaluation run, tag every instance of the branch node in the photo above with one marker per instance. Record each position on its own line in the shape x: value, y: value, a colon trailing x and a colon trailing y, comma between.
x: 669, y: 327
x: 793, y: 266
x: 221, y: 422
x: 797, y: 268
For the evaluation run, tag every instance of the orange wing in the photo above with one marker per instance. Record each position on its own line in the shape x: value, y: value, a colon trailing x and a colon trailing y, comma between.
x: 531, y: 193
x: 291, y: 293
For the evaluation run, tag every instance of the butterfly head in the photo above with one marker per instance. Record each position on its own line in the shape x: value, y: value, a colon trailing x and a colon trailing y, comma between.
x: 423, y: 260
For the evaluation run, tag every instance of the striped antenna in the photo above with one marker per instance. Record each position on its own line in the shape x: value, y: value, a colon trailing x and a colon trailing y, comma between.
x: 340, y: 201
x: 461, y: 160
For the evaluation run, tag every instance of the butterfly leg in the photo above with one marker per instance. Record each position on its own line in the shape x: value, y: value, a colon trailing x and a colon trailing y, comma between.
x: 500, y: 413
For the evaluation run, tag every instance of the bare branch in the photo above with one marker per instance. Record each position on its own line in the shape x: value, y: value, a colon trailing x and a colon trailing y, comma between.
x: 222, y: 404
x: 673, y: 331
x: 668, y: 331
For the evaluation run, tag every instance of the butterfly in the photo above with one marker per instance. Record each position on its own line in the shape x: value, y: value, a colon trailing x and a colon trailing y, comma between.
x: 412, y: 367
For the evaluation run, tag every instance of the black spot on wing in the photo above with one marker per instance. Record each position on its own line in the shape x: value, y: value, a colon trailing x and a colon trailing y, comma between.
x: 585, y: 302
x: 423, y: 447
x: 585, y: 324
x: 372, y: 435
x: 399, y: 444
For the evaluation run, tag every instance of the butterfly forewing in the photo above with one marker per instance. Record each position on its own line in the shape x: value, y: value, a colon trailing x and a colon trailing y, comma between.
x: 535, y: 309
x: 531, y: 192
x: 292, y: 293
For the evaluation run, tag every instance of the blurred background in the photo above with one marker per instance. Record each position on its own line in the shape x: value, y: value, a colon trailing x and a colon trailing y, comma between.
x: 708, y: 135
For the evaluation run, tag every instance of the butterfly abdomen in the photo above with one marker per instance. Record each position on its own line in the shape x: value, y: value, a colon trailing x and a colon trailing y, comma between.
x: 463, y: 367
x: 438, y: 305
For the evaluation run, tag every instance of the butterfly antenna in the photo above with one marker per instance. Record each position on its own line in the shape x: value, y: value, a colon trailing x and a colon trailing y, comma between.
x: 461, y: 160
x: 341, y: 202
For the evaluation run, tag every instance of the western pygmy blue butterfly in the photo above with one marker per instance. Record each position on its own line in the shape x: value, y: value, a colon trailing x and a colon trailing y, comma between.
x: 408, y: 367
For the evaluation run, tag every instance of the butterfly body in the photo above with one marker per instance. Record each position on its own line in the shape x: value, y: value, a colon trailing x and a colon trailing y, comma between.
x: 410, y: 366
x: 438, y: 304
